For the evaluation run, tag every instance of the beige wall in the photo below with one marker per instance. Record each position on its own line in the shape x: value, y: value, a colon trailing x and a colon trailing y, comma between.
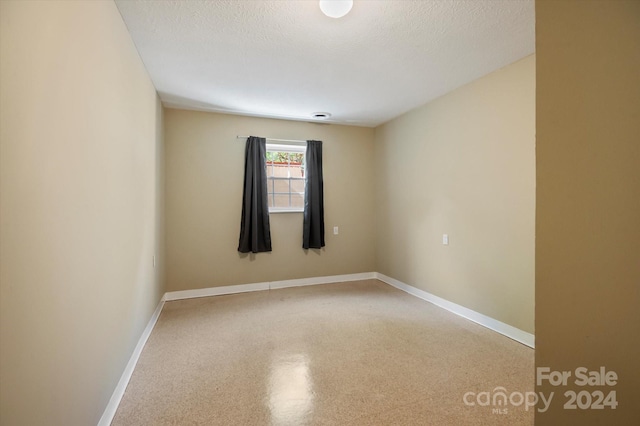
x: 204, y: 166
x: 80, y: 186
x: 466, y: 165
x: 588, y: 200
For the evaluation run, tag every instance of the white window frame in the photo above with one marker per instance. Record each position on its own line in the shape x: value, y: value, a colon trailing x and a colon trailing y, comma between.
x: 295, y: 148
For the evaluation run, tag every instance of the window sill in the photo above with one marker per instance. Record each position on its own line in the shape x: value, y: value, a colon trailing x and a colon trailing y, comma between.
x: 286, y: 211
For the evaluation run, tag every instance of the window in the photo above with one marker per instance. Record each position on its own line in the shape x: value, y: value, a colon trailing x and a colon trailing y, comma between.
x: 285, y: 177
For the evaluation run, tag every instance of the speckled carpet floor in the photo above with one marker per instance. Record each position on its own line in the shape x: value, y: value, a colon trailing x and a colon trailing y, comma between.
x: 356, y: 353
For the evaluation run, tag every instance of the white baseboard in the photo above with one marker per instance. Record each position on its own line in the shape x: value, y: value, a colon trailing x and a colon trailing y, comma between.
x: 484, y: 320
x: 322, y: 280
x: 118, y: 393
x: 243, y: 288
x: 511, y: 332
x: 215, y: 291
x: 495, y: 325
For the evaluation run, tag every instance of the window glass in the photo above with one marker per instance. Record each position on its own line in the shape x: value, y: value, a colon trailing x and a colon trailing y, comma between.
x: 285, y: 177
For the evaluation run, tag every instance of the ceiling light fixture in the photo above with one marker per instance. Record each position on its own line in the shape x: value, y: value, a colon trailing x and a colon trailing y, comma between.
x: 336, y: 8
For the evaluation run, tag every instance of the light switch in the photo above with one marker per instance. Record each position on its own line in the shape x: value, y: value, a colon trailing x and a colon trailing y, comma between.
x: 445, y: 239
x: 335, y: 230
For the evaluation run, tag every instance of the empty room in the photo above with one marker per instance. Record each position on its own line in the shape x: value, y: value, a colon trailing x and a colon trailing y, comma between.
x: 319, y: 212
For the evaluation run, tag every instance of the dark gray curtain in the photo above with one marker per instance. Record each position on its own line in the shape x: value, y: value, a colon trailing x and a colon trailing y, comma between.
x: 255, y: 233
x: 313, y: 230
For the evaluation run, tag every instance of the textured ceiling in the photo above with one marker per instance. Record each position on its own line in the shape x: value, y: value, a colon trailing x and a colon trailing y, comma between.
x: 286, y: 59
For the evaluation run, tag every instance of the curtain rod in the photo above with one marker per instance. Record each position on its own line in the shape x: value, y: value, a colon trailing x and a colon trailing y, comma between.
x: 277, y: 140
